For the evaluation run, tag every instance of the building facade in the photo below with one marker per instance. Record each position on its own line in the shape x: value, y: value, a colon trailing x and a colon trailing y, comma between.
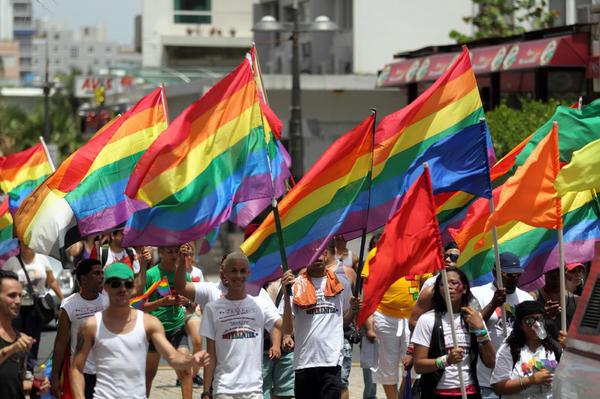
x: 199, y: 33
x: 86, y: 50
x: 23, y: 32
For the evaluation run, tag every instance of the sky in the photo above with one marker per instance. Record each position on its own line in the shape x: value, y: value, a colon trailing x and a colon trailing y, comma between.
x: 116, y: 15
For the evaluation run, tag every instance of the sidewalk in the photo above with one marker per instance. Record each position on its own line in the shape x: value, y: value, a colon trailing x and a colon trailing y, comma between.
x: 164, y: 385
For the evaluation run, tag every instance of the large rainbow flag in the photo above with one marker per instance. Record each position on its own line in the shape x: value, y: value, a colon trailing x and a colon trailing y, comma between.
x: 88, y: 187
x: 317, y: 207
x: 22, y: 172
x: 9, y: 246
x: 451, y: 105
x: 213, y: 157
x: 538, y: 247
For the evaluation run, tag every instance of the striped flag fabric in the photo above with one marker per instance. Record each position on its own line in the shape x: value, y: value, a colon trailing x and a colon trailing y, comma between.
x: 212, y: 158
x: 316, y: 208
x: 583, y: 172
x: 22, y: 172
x: 9, y: 246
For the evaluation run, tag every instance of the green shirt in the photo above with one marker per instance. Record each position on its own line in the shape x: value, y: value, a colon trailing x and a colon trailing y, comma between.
x: 172, y: 316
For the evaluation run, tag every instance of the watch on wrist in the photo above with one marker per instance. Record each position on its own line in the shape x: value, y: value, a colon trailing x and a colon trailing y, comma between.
x: 206, y: 393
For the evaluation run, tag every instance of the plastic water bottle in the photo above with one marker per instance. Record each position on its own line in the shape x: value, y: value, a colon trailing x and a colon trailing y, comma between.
x: 539, y: 329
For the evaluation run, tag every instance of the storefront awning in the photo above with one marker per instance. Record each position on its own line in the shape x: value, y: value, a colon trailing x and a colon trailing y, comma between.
x: 562, y: 51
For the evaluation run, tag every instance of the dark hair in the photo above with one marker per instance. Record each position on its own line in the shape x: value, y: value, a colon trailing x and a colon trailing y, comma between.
x: 7, y: 274
x: 516, y: 340
x: 439, y: 301
x: 84, y: 267
x: 331, y: 246
x: 451, y: 245
x: 374, y: 239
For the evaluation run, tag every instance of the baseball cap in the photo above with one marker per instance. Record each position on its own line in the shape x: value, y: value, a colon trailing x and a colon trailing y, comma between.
x: 510, y: 263
x: 573, y: 266
x: 118, y: 270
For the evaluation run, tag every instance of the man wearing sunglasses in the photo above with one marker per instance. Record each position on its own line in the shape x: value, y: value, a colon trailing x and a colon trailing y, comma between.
x: 491, y: 299
x: 120, y: 336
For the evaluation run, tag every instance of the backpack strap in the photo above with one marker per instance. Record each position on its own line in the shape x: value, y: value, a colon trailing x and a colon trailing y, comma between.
x: 130, y: 254
x: 103, y: 255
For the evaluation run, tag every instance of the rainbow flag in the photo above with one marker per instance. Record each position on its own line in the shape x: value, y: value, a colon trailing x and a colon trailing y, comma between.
x: 451, y: 105
x: 22, y: 172
x: 317, y: 207
x: 537, y: 247
x: 163, y: 287
x: 214, y: 156
x: 139, y: 301
x: 9, y: 246
x: 95, y: 179
x: 88, y: 187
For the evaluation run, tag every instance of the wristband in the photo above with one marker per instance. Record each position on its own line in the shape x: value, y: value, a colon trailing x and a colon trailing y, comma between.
x: 483, y: 342
x: 410, y: 350
x: 480, y: 333
x: 441, y: 362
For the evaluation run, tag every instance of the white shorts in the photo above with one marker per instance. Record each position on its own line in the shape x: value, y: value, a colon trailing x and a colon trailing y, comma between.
x: 393, y: 336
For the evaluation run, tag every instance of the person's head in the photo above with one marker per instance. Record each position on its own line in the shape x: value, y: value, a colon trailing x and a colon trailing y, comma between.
x: 451, y: 254
x: 118, y: 283
x: 236, y: 268
x: 510, y: 269
x: 374, y: 239
x: 318, y: 267
x: 339, y: 241
x: 574, y: 274
x: 90, y: 275
x: 459, y: 287
x: 115, y: 238
x: 329, y: 252
x: 552, y: 280
x: 527, y: 314
x: 11, y: 291
x: 168, y: 256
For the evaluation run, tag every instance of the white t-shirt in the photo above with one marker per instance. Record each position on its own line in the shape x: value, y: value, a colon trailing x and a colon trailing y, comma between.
x: 422, y: 336
x: 37, y: 273
x: 319, y: 329
x: 207, y: 292
x: 78, y: 309
x: 237, y: 329
x: 528, y: 363
x: 428, y: 283
x: 122, y: 256
x: 484, y: 295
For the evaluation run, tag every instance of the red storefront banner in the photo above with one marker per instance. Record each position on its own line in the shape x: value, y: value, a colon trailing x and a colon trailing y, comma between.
x: 564, y: 51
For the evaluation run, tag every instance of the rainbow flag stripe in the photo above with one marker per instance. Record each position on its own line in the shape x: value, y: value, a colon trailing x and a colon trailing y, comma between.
x: 139, y: 301
x: 163, y: 287
x: 449, y: 106
x: 9, y: 246
x: 212, y: 157
x: 317, y: 207
x: 22, y: 172
x: 95, y: 179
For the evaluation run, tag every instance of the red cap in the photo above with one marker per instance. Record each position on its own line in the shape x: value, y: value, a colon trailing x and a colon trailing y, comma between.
x: 573, y: 266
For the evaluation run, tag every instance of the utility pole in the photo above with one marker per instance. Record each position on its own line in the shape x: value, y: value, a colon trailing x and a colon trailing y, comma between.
x: 46, y: 96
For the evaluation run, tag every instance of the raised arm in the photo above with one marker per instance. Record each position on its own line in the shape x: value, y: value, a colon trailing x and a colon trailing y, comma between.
x: 182, y: 286
x: 61, y: 349
x: 177, y: 360
x: 85, y: 340
x: 145, y: 260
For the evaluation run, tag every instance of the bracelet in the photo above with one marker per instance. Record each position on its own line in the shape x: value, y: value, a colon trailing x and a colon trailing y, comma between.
x: 483, y: 342
x: 441, y: 362
x: 410, y: 350
x: 480, y: 333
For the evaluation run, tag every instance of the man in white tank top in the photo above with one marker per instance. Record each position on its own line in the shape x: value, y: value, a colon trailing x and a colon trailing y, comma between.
x: 119, y: 336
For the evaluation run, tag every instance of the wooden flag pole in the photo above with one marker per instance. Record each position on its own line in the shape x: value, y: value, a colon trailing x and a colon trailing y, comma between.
x: 363, y: 238
x: 499, y: 283
x: 563, y: 292
x: 47, y: 154
x: 461, y: 378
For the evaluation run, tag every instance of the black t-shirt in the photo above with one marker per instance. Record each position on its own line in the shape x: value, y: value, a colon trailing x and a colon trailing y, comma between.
x: 11, y: 374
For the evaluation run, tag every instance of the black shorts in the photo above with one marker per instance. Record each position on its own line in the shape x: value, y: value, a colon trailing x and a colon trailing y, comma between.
x: 318, y: 382
x: 177, y: 337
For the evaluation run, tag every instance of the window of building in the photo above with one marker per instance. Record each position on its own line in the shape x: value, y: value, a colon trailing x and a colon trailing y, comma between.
x: 108, y: 50
x: 91, y: 49
x: 74, y: 52
x: 192, y: 11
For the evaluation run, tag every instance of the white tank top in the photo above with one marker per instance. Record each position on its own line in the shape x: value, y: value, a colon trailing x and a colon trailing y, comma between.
x: 120, y: 361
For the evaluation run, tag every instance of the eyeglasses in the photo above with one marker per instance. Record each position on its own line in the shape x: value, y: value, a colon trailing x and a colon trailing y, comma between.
x: 118, y: 283
x: 511, y: 275
x: 530, y: 321
x: 452, y: 257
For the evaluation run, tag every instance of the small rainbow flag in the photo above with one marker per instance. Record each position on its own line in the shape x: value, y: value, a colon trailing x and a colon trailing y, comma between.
x: 139, y: 301
x: 9, y: 246
x: 163, y: 287
x: 22, y: 172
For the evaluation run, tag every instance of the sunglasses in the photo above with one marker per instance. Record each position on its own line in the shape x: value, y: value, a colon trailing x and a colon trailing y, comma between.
x: 117, y: 283
x: 452, y: 257
x: 511, y: 275
x: 530, y: 321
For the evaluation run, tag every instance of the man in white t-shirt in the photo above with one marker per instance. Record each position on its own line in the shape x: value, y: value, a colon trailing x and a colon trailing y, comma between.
x: 233, y: 327
x: 74, y: 310
x: 491, y: 299
x: 116, y: 253
x: 320, y: 312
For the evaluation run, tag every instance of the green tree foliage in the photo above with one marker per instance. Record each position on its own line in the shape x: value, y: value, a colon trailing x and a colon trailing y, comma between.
x: 509, y: 126
x: 499, y: 18
x: 21, y: 128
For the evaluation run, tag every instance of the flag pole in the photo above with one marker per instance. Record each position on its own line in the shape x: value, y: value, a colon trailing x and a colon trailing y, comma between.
x: 499, y: 283
x: 50, y: 161
x: 450, y: 312
x: 363, y: 238
x: 563, y: 299
x: 163, y: 94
